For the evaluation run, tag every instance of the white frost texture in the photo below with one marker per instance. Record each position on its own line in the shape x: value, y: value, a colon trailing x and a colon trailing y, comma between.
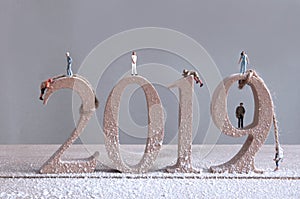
x: 19, y: 177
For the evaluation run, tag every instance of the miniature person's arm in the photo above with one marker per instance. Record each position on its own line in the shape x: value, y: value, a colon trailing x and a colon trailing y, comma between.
x: 69, y: 60
x: 247, y: 59
x: 280, y: 153
x: 240, y: 60
x: 48, y: 85
x: 132, y: 60
x: 276, y: 157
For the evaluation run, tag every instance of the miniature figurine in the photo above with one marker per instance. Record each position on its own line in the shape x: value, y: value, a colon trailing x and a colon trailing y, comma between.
x: 278, y: 157
x: 69, y: 62
x: 45, y: 85
x: 133, y: 63
x: 243, y: 61
x: 239, y: 113
x: 186, y: 73
x: 196, y: 78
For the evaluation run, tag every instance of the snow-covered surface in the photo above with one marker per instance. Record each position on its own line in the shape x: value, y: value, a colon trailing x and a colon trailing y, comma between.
x: 19, y: 177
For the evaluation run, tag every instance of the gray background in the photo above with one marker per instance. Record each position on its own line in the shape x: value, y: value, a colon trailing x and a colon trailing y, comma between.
x: 36, y: 34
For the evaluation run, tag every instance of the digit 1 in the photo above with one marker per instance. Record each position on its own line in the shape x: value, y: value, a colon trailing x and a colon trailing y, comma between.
x: 155, y: 125
x: 184, y: 159
x: 54, y: 164
x: 243, y: 161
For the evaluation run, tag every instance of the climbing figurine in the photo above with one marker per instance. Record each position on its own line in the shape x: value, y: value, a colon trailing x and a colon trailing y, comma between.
x: 69, y: 64
x: 186, y: 73
x: 45, y: 85
x: 239, y: 113
x: 278, y: 157
x: 244, y: 60
x: 133, y: 63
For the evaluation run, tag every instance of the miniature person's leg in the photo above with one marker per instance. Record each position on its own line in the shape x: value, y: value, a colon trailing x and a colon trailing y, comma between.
x: 132, y: 70
x: 242, y: 122
x: 135, y: 71
x: 277, y: 165
x: 200, y: 82
x: 41, y: 97
x: 244, y: 67
x: 197, y: 79
x: 239, y: 122
x: 69, y: 71
x: 42, y: 93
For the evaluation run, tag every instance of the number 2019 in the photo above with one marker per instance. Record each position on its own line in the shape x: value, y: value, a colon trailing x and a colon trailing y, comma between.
x: 243, y: 161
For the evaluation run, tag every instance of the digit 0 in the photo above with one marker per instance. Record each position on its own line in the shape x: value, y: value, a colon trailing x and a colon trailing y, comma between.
x: 155, y: 125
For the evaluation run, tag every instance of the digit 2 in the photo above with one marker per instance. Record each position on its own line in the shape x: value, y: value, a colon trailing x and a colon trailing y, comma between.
x: 54, y: 164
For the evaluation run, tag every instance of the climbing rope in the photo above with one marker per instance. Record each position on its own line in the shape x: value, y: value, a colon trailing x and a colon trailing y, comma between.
x: 276, y: 134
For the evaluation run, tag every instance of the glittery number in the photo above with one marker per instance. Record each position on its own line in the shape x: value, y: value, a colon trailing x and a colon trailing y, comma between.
x: 155, y: 125
x: 54, y: 164
x: 184, y: 160
x: 257, y: 131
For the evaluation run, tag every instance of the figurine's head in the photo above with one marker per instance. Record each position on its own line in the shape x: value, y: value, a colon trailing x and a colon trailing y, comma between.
x: 67, y: 54
x: 241, y: 104
x: 243, y: 52
x: 133, y: 53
